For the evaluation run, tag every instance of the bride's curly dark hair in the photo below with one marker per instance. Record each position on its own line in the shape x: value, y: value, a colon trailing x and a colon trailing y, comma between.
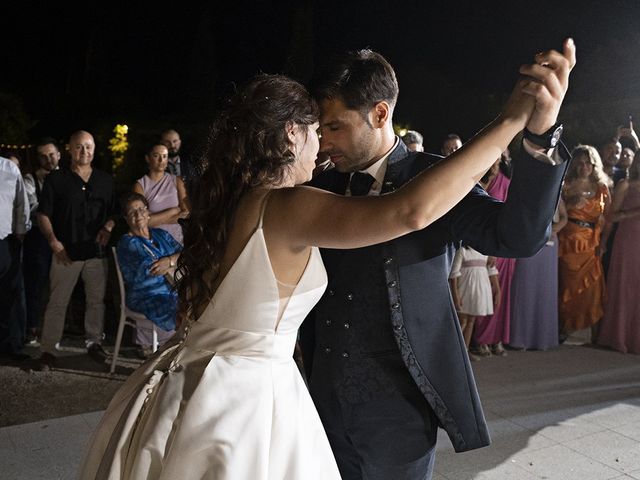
x: 247, y: 147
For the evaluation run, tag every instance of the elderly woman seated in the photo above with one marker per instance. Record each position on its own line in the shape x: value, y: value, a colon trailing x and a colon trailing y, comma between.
x: 147, y: 258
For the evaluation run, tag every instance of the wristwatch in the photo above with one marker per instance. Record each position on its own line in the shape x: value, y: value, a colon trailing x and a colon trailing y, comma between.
x: 548, y: 139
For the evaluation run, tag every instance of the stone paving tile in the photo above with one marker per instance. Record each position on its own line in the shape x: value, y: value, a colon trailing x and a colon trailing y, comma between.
x: 48, y: 450
x: 507, y: 439
x: 560, y: 426
x: 619, y: 414
x: 559, y: 462
x: 505, y: 471
x: 26, y: 466
x: 6, y: 443
x: 631, y: 430
x: 92, y: 419
x: 609, y: 448
x: 452, y: 464
x: 52, y: 433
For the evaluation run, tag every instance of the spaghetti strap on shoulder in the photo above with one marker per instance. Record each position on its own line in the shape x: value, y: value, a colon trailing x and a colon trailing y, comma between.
x: 263, y: 207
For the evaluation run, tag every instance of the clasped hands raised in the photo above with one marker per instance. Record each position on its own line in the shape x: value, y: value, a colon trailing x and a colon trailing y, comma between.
x: 538, y: 94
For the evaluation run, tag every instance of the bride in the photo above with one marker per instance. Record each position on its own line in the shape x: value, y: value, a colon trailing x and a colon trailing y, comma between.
x: 223, y: 399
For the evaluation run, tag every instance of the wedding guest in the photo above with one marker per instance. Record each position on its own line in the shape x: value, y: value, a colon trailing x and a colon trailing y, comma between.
x: 611, y: 150
x: 37, y: 254
x: 620, y: 327
x: 534, y: 294
x: 147, y: 258
x: 414, y: 141
x: 165, y: 192
x: 14, y: 224
x: 474, y: 288
x: 450, y: 144
x: 492, y: 331
x: 76, y: 215
x: 581, y: 280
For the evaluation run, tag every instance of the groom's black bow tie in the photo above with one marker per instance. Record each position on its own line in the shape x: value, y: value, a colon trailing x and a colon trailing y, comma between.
x: 360, y: 184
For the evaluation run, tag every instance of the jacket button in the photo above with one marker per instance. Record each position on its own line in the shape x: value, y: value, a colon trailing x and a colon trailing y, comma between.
x: 388, y: 260
x: 331, y: 293
x: 327, y: 322
x: 327, y: 350
x: 350, y: 296
x: 392, y: 284
x: 346, y: 325
x: 345, y: 354
x: 395, y: 306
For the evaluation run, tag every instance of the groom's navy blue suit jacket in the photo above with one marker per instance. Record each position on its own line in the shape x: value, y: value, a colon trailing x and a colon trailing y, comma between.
x: 391, y: 302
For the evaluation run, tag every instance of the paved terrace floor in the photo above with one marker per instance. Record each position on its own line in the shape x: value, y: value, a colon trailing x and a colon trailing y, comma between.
x: 568, y: 413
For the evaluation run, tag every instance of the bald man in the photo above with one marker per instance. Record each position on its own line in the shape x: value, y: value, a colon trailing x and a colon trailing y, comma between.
x: 76, y: 215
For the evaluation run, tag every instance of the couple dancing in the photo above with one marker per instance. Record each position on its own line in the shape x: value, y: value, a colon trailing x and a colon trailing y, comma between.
x: 387, y: 362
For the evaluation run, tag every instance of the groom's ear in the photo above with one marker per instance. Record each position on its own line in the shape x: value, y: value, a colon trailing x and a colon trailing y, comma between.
x: 380, y: 114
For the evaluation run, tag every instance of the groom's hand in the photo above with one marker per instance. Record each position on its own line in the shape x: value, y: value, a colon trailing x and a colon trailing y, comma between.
x: 548, y: 83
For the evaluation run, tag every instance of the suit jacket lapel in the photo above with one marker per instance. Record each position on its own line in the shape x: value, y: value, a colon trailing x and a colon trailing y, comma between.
x: 395, y: 175
x: 332, y: 181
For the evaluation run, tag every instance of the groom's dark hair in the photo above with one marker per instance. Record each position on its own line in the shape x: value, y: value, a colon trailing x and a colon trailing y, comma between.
x: 360, y: 79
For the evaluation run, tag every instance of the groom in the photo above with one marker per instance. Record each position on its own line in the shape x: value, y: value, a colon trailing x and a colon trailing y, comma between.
x: 383, y: 347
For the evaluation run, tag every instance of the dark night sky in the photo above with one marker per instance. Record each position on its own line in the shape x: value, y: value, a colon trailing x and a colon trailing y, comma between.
x: 150, y: 67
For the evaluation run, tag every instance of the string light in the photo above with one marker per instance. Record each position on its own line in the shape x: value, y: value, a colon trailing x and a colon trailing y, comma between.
x: 15, y: 147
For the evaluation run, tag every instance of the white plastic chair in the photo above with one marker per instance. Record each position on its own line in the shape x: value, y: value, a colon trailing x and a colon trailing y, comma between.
x: 127, y: 317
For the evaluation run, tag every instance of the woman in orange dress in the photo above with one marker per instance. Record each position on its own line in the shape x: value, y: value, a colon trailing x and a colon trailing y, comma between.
x: 581, y: 279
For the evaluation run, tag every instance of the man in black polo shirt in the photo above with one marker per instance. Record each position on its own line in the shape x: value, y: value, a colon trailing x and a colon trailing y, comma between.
x: 75, y: 216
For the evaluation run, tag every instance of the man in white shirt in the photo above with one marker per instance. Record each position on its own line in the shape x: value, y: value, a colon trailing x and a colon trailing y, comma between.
x: 14, y: 224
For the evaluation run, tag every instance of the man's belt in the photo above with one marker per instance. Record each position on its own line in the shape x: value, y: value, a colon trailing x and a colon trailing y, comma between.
x: 582, y: 223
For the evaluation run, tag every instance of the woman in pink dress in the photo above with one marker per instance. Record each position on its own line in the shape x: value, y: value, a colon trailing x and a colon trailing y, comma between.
x: 492, y: 331
x: 166, y: 193
x: 620, y: 327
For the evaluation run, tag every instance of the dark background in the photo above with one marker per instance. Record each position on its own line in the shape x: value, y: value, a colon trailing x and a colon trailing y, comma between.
x: 154, y: 67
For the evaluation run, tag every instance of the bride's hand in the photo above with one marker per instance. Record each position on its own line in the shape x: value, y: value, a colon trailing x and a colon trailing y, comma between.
x: 519, y: 106
x: 547, y: 82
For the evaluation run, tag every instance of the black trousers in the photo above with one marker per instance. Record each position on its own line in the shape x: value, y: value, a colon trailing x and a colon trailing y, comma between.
x: 12, y: 310
x: 392, y: 436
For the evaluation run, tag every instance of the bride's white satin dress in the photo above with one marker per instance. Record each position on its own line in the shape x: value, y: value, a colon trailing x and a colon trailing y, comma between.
x: 224, y: 399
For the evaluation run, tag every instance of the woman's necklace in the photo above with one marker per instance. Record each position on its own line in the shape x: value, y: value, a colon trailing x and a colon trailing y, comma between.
x: 585, y: 190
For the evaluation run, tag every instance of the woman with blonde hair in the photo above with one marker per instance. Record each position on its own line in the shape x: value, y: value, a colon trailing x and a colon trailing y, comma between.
x: 581, y: 280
